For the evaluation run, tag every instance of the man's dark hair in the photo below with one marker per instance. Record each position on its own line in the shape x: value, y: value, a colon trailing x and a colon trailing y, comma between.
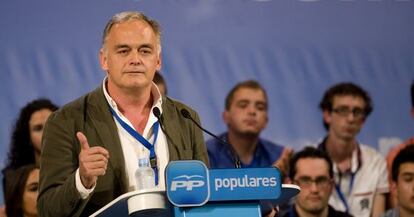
x: 251, y: 84
x: 309, y: 152
x: 344, y: 89
x: 406, y: 155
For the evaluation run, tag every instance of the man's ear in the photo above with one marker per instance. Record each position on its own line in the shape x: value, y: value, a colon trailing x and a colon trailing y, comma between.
x: 267, y: 120
x: 331, y: 186
x: 159, y: 62
x: 393, y: 187
x: 103, y: 59
x: 225, y: 116
x: 327, y: 116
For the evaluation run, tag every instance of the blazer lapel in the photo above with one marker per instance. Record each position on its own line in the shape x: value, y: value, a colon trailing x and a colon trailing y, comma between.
x: 174, y: 133
x: 107, y: 132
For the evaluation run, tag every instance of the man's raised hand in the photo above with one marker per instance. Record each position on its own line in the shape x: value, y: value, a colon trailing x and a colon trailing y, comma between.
x: 93, y: 161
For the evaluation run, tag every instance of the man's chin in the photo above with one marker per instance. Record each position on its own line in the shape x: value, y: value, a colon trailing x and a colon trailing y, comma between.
x: 250, y: 133
x: 316, y: 209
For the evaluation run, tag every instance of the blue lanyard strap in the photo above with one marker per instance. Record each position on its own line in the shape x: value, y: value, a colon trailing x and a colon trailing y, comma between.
x: 143, y: 141
x: 341, y: 194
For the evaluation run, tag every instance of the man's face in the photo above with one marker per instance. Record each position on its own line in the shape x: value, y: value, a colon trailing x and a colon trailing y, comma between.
x: 247, y: 113
x: 405, y: 187
x: 315, y: 185
x: 131, y: 55
x: 346, y: 118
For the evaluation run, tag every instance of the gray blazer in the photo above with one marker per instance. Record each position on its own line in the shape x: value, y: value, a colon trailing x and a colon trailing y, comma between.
x: 90, y: 114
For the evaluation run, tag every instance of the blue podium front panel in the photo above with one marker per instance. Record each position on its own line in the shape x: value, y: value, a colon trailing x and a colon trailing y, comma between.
x: 243, y: 209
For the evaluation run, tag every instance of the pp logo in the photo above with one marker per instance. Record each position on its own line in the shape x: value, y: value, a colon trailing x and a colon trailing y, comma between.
x: 187, y: 183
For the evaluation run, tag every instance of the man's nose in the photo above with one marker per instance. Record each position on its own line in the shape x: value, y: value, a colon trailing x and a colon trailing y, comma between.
x: 135, y: 58
x: 313, y: 187
x: 351, y: 116
x: 251, y: 109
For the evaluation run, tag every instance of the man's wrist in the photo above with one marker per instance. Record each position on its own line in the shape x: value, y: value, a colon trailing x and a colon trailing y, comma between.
x: 83, y: 190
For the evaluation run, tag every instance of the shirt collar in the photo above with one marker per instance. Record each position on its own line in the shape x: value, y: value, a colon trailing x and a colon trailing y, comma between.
x: 258, y: 152
x: 356, y: 160
x: 155, y: 93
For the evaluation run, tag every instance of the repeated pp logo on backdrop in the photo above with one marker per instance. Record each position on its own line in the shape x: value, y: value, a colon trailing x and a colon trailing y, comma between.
x: 187, y: 183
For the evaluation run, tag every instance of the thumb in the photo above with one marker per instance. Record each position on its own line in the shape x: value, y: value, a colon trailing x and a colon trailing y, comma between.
x: 287, y: 152
x: 82, y: 140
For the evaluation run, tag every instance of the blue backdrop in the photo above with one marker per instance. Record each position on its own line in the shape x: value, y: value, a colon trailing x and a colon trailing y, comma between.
x: 295, y: 48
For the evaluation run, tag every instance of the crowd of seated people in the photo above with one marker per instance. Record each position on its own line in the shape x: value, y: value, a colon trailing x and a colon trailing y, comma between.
x: 338, y: 177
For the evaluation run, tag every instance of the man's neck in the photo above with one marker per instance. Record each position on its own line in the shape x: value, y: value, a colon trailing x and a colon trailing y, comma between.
x: 405, y: 213
x: 303, y: 213
x: 135, y: 104
x: 243, y: 145
x: 127, y: 99
x: 339, y: 149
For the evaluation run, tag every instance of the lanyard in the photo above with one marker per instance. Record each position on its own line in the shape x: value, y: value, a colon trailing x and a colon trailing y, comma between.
x: 143, y: 141
x: 341, y: 194
x: 351, y: 184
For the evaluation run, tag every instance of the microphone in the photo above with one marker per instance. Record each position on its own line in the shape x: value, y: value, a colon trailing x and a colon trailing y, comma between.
x: 157, y: 113
x: 186, y: 114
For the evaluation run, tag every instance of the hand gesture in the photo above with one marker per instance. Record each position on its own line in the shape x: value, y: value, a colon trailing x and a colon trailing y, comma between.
x: 283, y: 162
x: 93, y: 161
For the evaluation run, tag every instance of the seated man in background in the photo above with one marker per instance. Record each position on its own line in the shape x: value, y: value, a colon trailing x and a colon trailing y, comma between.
x: 403, y: 183
x: 246, y: 116
x: 360, y: 172
x: 311, y: 169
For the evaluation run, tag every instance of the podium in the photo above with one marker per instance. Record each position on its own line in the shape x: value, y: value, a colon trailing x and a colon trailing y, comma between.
x: 194, y: 191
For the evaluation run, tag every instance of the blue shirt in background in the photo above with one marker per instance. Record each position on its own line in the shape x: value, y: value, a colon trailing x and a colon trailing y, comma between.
x: 221, y: 156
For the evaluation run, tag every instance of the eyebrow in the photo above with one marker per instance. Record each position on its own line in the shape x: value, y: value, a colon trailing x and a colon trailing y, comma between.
x: 146, y: 46
x: 310, y: 177
x: 120, y: 46
x: 407, y: 174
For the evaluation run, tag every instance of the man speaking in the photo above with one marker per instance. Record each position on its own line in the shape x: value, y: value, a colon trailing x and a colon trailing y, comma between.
x: 91, y: 147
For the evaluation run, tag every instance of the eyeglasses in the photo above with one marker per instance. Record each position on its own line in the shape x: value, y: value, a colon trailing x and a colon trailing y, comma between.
x: 306, y: 182
x: 344, y: 111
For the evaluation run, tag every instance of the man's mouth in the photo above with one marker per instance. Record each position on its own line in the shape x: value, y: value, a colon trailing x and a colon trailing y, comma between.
x: 134, y: 72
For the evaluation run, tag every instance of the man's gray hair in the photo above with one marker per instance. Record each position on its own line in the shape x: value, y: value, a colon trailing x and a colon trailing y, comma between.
x: 132, y: 15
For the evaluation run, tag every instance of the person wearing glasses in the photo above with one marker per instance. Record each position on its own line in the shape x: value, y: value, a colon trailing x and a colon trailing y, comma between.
x: 311, y: 169
x: 360, y: 172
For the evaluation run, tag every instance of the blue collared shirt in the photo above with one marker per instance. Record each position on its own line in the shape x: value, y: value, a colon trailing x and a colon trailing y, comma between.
x: 221, y: 156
